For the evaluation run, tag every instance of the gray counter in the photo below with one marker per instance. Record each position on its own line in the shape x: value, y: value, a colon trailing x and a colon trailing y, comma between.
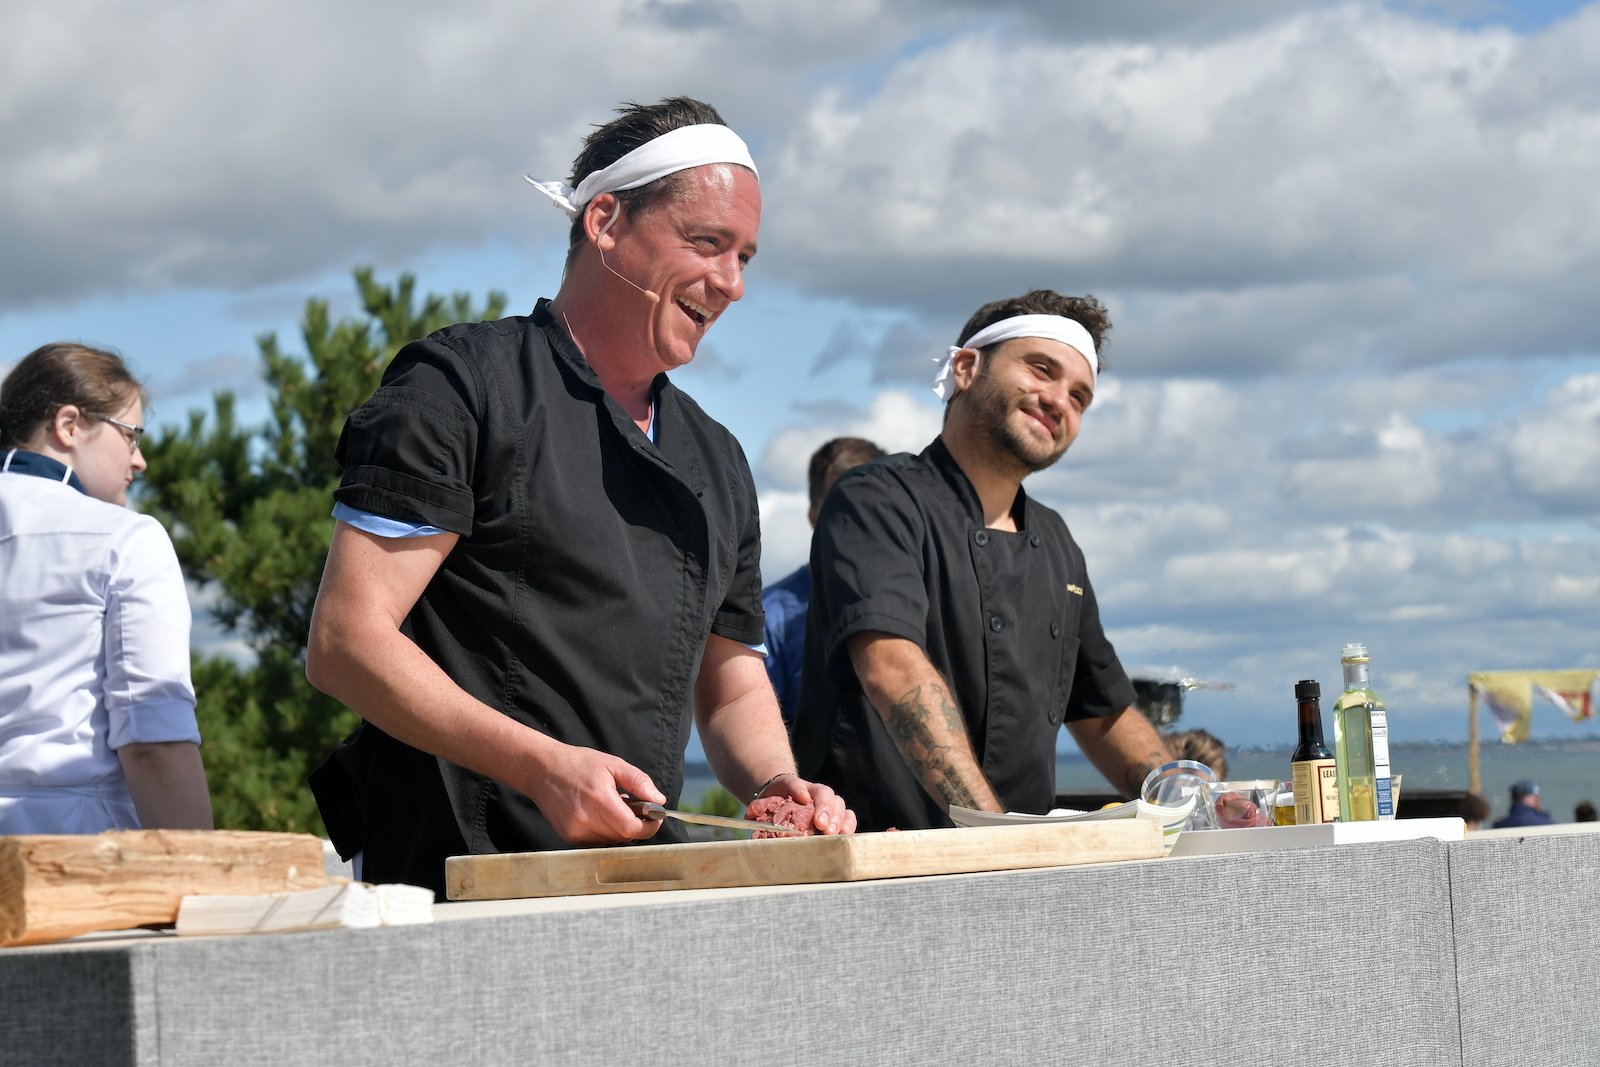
x: 1425, y: 953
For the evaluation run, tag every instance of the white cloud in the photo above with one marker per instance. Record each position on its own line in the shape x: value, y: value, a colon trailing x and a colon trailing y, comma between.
x: 785, y: 532
x: 236, y: 144
x: 1347, y: 184
x: 1555, y: 450
x: 894, y: 421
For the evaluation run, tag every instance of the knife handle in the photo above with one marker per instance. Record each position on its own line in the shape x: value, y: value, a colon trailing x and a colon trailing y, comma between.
x: 644, y: 809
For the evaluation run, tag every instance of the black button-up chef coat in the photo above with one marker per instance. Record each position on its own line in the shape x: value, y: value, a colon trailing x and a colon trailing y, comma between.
x: 1009, y: 619
x: 591, y: 567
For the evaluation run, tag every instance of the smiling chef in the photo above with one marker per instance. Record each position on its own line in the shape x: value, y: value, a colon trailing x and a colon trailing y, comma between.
x: 546, y: 562
x: 952, y: 627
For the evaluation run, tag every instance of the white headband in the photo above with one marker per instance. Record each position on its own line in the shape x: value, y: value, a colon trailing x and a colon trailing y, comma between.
x: 675, y: 150
x: 1050, y: 327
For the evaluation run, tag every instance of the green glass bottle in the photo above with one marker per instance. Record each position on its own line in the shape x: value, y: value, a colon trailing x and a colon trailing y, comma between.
x: 1361, y: 743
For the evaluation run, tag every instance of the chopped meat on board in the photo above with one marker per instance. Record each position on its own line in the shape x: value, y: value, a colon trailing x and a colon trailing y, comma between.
x: 781, y: 811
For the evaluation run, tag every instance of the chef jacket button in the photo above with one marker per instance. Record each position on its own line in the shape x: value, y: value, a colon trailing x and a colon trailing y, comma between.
x: 982, y: 537
x: 996, y: 623
x: 1055, y: 629
x: 1033, y: 539
x: 1055, y: 716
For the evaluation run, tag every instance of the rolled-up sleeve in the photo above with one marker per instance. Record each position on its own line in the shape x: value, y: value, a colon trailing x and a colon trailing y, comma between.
x: 148, y: 693
x: 410, y: 452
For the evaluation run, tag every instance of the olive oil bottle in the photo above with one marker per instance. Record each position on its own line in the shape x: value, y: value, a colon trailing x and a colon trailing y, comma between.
x: 1316, y: 788
x: 1361, y: 743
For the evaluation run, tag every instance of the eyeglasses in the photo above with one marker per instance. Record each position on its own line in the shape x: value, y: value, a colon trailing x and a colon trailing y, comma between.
x: 130, y: 432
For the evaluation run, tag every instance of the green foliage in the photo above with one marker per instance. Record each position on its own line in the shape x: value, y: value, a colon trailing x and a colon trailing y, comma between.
x: 718, y: 801
x: 248, y: 509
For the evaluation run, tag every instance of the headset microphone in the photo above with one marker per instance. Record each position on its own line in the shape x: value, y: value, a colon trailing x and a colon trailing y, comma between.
x: 652, y: 297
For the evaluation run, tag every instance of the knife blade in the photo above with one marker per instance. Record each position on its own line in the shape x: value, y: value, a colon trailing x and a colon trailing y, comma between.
x: 646, y: 809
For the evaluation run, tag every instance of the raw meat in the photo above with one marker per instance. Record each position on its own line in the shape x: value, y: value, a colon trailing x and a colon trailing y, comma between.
x: 781, y: 811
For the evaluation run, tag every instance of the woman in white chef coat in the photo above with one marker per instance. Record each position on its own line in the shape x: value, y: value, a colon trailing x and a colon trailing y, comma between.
x: 97, y: 722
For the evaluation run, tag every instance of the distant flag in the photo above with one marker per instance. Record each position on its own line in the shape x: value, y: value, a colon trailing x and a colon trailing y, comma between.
x: 1577, y: 705
x: 1509, y: 695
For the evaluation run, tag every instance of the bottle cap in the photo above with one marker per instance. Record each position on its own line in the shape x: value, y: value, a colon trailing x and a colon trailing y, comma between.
x: 1354, y: 652
x: 1307, y: 690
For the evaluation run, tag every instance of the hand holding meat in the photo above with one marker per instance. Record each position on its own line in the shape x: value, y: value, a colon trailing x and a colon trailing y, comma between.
x: 829, y: 814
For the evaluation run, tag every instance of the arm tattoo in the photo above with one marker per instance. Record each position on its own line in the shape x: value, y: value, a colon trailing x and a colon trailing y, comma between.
x: 955, y: 791
x: 908, y: 723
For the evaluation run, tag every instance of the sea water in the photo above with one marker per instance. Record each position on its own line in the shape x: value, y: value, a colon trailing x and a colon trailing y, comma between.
x: 1567, y: 771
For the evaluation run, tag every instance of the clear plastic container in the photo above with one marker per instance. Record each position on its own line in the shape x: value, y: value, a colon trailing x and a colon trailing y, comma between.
x: 1181, y: 784
x: 1238, y: 804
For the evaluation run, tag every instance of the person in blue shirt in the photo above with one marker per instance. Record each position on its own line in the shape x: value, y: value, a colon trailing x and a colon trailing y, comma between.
x: 785, y: 600
x: 1525, y: 810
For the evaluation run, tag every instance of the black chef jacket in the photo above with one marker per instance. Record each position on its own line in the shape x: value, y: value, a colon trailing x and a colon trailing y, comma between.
x: 1009, y: 619
x: 591, y: 567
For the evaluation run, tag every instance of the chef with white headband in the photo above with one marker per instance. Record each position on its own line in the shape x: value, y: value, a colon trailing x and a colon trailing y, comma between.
x: 546, y: 565
x: 953, y: 628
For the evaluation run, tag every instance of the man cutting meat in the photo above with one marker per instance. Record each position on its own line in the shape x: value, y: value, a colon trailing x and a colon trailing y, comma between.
x: 953, y: 628
x: 546, y: 563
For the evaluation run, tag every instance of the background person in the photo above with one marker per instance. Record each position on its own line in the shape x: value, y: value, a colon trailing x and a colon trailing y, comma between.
x: 785, y: 600
x: 1584, y: 812
x: 97, y: 724
x: 1525, y: 809
x: 547, y: 559
x: 953, y: 627
x: 1201, y: 746
x: 1473, y: 810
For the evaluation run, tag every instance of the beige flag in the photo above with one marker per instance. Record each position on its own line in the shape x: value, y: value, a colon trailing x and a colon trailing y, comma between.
x: 1509, y: 695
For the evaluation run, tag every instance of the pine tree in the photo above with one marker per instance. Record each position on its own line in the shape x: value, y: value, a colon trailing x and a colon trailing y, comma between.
x: 249, y: 512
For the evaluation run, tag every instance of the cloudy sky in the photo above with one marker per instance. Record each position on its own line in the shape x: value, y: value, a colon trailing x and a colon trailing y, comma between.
x: 1355, y: 381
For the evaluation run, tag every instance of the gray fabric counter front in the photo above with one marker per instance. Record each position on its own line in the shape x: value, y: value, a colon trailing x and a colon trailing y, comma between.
x: 1412, y: 952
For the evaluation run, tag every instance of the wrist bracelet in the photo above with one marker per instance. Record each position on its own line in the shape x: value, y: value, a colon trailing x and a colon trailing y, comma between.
x: 767, y: 785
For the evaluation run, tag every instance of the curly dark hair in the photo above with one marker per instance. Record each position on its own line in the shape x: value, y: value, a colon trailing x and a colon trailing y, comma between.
x: 1086, y: 311
x: 635, y: 125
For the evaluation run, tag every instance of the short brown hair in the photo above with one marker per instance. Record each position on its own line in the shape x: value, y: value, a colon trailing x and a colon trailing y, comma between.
x: 1086, y: 311
x: 52, y: 376
x: 833, y: 459
x: 636, y: 124
x: 1201, y: 746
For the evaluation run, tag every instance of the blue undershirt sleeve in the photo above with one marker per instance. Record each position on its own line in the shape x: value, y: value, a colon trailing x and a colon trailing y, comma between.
x: 379, y: 526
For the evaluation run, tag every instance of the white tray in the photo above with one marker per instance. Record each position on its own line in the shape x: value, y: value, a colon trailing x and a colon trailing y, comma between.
x: 1262, y: 838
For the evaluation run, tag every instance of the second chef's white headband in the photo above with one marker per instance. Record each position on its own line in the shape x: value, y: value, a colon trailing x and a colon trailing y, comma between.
x: 675, y: 150
x: 1051, y: 327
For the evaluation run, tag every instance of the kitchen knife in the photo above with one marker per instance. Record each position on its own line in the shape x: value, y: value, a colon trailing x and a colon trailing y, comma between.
x: 648, y: 810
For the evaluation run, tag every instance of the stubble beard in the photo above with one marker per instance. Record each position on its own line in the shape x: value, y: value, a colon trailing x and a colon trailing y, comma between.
x: 991, y: 416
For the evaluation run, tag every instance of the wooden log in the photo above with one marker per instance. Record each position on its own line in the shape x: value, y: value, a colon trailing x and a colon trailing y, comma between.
x: 58, y: 886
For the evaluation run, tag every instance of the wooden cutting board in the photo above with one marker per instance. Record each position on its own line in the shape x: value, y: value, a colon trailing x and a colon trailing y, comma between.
x: 794, y: 860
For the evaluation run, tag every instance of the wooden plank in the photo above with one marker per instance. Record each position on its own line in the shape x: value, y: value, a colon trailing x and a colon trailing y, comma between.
x: 794, y: 860
x: 57, y: 886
